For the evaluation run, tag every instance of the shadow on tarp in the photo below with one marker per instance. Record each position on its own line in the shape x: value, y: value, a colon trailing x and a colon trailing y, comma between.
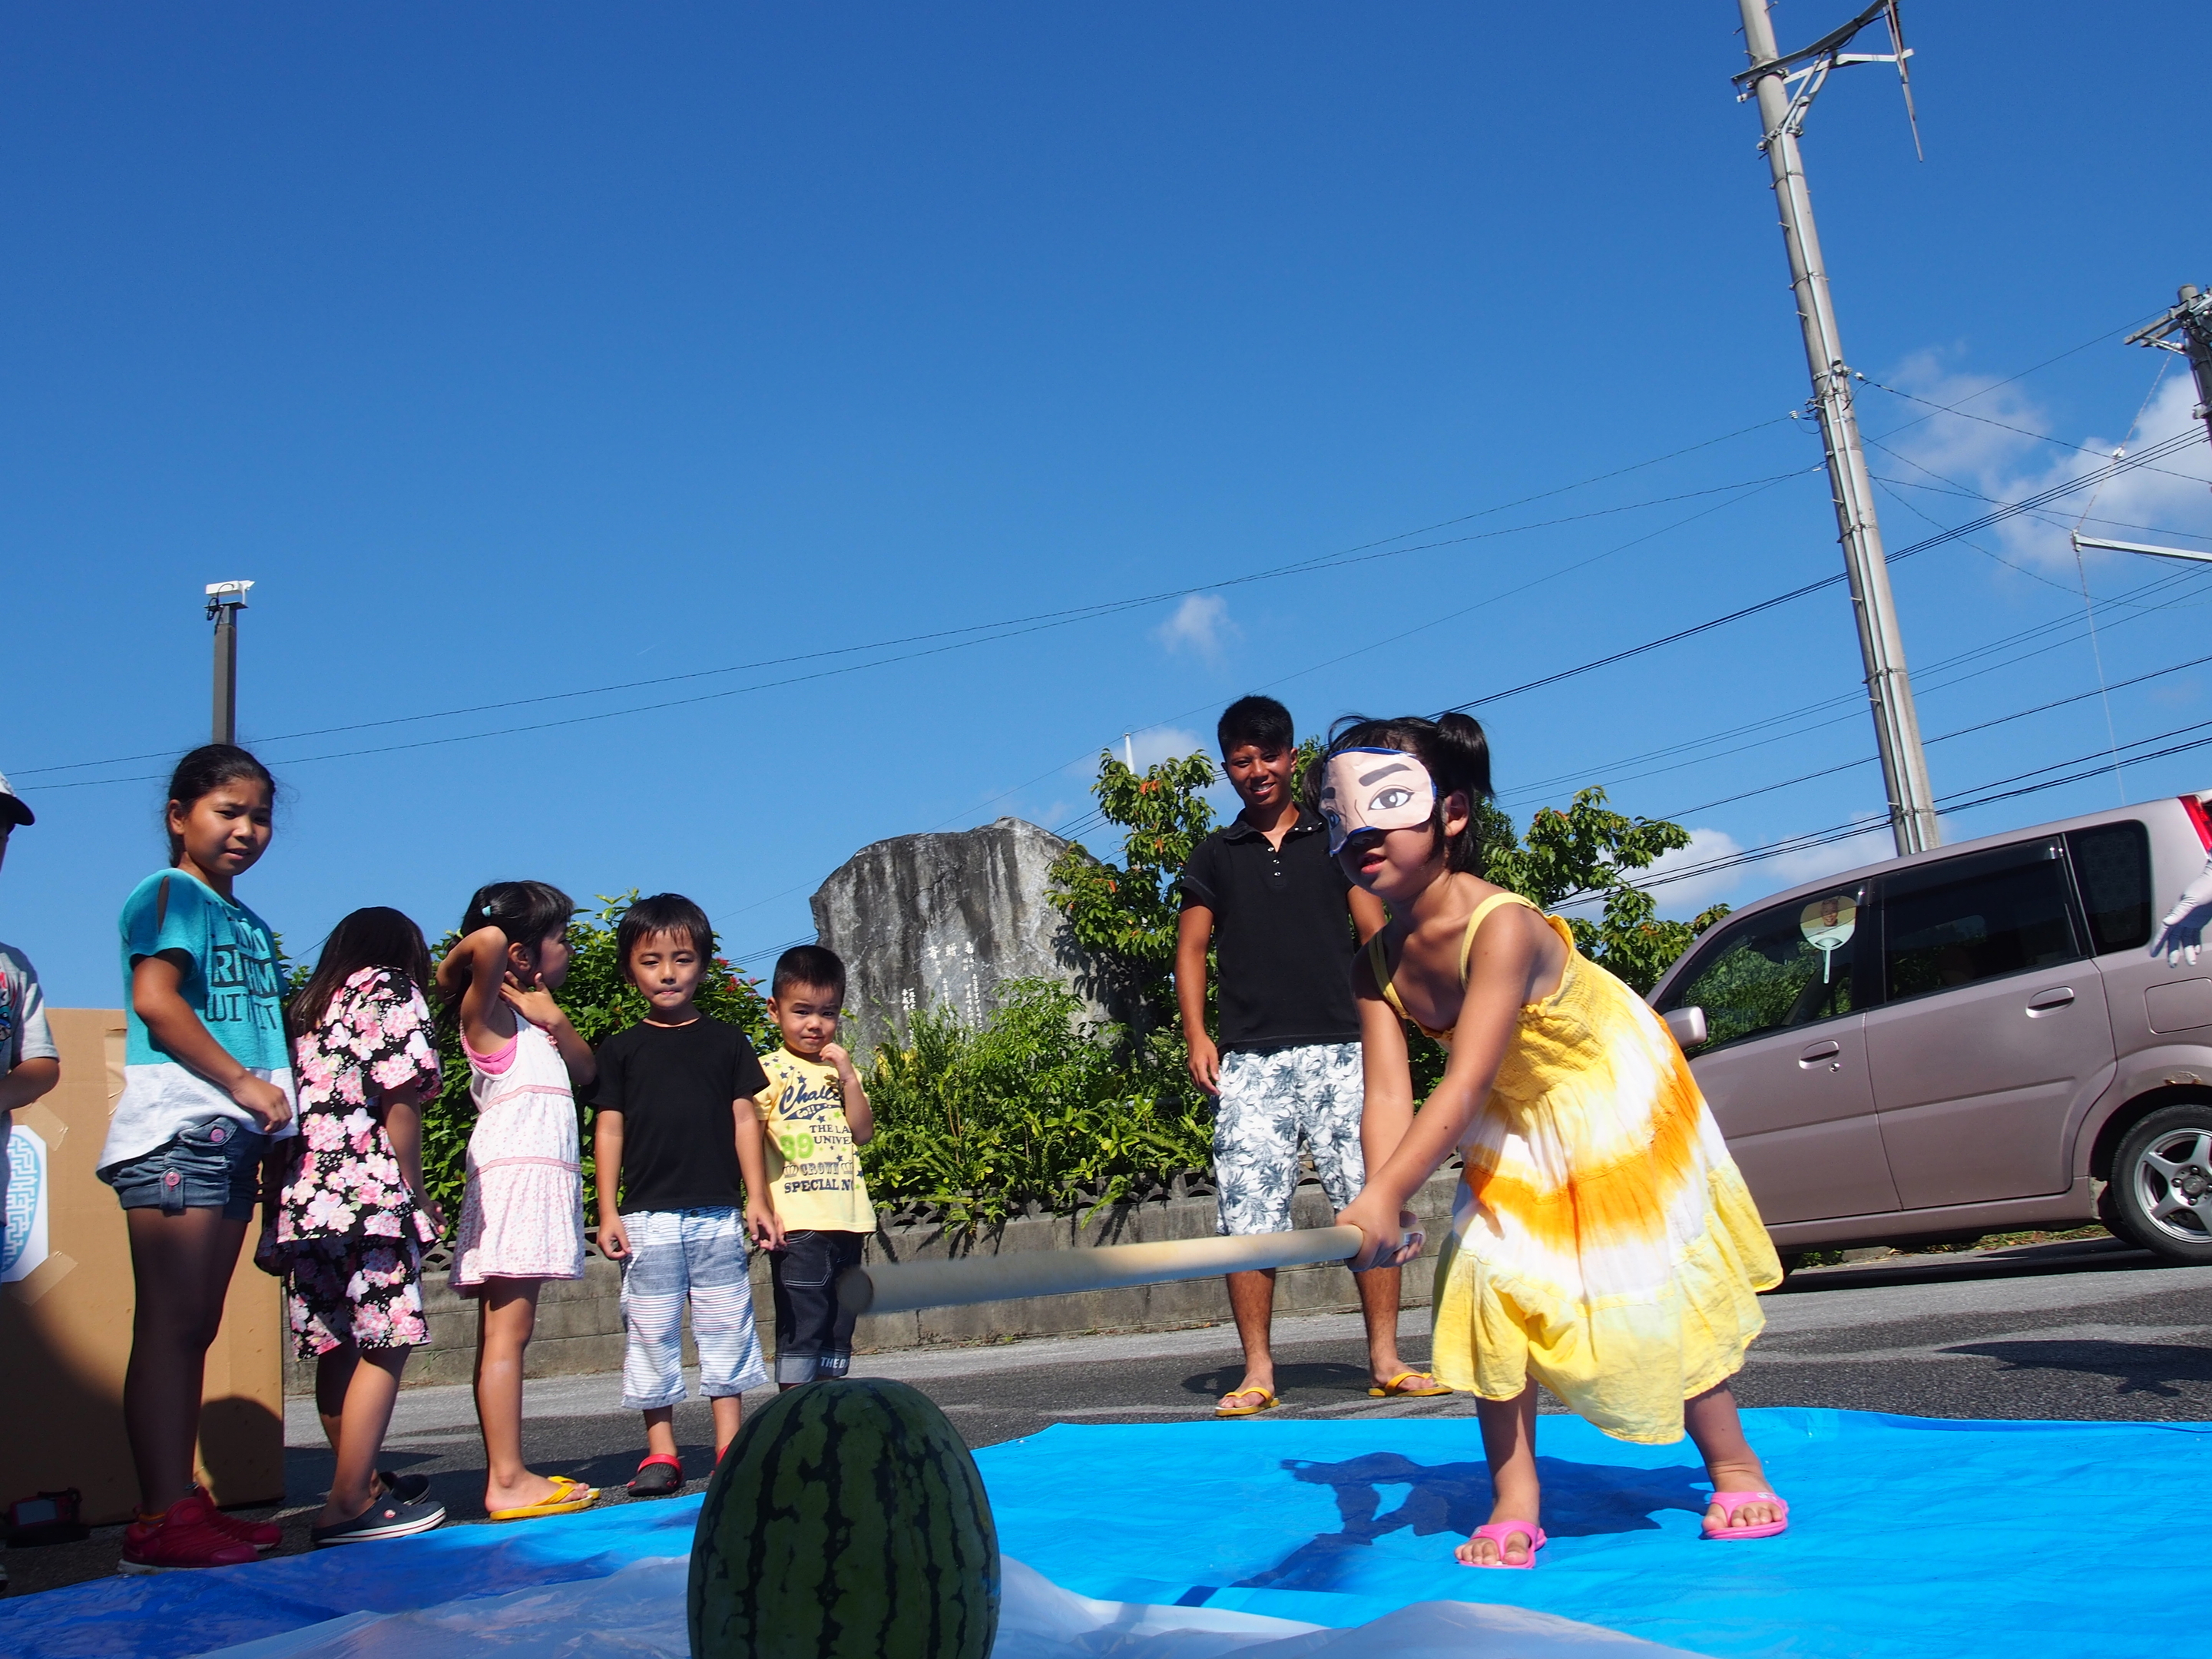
x: 1448, y: 1501
x: 1911, y: 1538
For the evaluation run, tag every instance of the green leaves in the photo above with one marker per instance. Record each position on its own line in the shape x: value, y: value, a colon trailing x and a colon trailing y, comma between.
x: 1125, y: 915
x: 1037, y: 1105
x: 1586, y: 853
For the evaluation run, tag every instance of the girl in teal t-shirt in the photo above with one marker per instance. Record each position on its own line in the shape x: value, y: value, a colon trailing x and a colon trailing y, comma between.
x: 207, y: 1086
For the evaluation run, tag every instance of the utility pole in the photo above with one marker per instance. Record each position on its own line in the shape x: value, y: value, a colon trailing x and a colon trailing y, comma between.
x: 1782, y: 114
x: 224, y: 601
x: 2192, y: 319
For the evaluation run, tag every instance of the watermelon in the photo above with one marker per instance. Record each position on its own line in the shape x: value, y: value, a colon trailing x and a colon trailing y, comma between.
x: 846, y: 1521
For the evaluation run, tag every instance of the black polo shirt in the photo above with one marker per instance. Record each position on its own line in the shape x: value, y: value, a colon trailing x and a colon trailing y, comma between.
x: 1282, y: 935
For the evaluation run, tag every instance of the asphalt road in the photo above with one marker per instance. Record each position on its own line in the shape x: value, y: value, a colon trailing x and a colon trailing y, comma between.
x: 2081, y: 1331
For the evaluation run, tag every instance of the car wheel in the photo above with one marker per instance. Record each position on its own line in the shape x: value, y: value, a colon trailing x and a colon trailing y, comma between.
x: 2161, y: 1188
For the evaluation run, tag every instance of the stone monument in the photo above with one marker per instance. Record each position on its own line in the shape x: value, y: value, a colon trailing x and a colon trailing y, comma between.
x: 923, y: 919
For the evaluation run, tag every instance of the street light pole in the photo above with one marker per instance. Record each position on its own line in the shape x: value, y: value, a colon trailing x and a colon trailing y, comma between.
x: 224, y: 601
x: 1889, y: 689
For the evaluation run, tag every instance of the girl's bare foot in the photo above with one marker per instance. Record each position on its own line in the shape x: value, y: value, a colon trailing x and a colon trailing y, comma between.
x: 524, y: 1491
x: 1740, y: 1477
x: 1520, y: 1543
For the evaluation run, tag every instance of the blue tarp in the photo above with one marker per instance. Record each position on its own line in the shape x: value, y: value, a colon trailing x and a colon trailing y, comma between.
x: 1911, y: 1536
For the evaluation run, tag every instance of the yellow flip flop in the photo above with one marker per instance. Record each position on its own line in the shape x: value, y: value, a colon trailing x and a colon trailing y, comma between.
x: 1224, y: 1409
x: 1395, y: 1388
x: 568, y: 1496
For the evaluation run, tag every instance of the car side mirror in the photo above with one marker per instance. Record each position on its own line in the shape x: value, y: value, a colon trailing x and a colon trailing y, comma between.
x: 1688, y: 1026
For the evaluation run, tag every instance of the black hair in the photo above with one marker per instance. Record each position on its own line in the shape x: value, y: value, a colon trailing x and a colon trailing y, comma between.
x: 377, y: 937
x: 528, y: 912
x: 203, y: 772
x: 1260, y: 721
x: 815, y: 966
x: 1451, y: 747
x: 662, y: 913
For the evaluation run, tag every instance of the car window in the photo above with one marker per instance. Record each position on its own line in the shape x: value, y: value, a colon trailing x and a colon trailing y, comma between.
x: 2111, y: 863
x: 1971, y: 918
x: 1784, y: 967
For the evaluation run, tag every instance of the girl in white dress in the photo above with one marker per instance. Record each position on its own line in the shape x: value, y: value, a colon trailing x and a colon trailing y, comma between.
x: 522, y: 1211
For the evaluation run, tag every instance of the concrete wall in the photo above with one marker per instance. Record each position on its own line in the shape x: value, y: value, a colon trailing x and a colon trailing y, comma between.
x: 580, y: 1323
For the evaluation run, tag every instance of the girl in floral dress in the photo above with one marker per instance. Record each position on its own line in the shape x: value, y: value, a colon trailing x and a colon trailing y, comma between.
x: 348, y: 1226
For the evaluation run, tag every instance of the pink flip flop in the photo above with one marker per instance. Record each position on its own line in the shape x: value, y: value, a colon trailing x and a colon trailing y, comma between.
x: 1499, y: 1531
x: 1730, y: 1502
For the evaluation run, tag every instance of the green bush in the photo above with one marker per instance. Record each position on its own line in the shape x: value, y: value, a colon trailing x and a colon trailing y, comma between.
x: 1037, y: 1105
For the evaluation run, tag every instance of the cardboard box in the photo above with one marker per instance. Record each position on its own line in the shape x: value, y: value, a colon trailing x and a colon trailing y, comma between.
x: 66, y: 1309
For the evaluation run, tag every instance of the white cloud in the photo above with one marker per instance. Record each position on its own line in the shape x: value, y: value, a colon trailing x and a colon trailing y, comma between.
x: 1200, y: 625
x: 2150, y: 503
x: 1748, y: 884
x: 1163, y: 743
x: 1683, y: 899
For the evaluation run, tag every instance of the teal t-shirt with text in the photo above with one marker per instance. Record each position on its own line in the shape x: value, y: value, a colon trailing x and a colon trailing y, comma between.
x: 232, y: 982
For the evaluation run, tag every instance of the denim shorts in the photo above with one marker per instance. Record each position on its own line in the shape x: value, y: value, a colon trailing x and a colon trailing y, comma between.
x: 213, y: 1163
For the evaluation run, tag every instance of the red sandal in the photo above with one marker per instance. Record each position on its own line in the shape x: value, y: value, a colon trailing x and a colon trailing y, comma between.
x: 658, y: 1476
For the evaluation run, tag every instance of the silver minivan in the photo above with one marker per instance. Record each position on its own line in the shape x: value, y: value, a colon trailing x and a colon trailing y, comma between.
x: 1967, y: 1041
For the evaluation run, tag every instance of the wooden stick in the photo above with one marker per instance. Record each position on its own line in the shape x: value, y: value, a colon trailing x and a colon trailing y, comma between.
x: 902, y: 1287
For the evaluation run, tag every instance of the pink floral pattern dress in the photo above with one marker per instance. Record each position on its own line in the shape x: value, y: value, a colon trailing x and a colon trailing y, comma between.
x: 346, y: 1234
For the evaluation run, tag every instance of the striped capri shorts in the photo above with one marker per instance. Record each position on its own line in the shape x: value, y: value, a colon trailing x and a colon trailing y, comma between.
x: 675, y: 1255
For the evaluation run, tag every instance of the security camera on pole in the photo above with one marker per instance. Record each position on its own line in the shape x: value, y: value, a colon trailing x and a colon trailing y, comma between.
x: 1781, y: 111
x: 224, y: 601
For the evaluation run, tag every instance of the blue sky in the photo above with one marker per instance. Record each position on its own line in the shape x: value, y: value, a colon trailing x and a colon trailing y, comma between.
x: 517, y: 352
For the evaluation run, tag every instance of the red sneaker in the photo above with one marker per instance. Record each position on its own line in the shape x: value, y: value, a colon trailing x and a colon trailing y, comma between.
x: 184, y: 1536
x: 263, y: 1536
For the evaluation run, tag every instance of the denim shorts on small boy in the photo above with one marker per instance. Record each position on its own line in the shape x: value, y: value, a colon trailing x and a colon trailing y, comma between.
x: 813, y: 1331
x: 676, y: 1256
x: 211, y: 1164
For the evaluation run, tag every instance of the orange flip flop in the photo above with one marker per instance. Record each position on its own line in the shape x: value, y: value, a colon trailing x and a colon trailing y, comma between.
x: 1396, y: 1388
x: 1224, y: 1409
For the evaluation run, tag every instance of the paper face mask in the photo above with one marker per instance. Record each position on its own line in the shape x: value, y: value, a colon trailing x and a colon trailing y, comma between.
x: 1374, y: 789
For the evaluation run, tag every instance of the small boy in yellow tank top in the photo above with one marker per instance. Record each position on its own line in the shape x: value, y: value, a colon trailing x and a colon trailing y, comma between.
x: 817, y: 1118
x: 1603, y: 1243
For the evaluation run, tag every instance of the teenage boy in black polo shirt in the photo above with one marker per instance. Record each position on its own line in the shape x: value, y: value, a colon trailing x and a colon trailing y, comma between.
x: 1278, y: 914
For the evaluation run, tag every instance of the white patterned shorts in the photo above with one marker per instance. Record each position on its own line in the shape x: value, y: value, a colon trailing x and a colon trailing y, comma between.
x: 1268, y: 1101
x: 699, y: 1257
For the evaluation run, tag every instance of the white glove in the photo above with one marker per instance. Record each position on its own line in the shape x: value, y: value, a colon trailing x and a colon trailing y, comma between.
x: 2182, y: 928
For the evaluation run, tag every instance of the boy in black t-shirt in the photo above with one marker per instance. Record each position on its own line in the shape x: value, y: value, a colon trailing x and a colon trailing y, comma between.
x: 676, y: 1130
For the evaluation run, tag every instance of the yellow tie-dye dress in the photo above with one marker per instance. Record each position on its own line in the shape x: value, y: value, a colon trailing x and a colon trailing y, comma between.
x: 1602, y: 1241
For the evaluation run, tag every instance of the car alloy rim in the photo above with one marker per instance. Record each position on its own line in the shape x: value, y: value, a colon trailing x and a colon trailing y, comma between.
x: 2174, y: 1185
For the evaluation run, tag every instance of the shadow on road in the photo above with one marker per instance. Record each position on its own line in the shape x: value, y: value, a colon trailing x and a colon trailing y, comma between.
x: 1305, y: 1377
x: 2095, y: 1255
x: 2138, y: 1367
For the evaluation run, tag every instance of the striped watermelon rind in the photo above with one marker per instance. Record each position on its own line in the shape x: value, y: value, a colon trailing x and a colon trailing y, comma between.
x: 847, y: 1521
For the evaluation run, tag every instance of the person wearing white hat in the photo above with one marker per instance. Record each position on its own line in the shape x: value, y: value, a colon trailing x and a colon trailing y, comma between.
x: 30, y: 1065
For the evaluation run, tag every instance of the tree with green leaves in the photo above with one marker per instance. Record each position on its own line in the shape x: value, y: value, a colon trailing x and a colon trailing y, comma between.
x: 1124, y: 915
x: 1590, y: 853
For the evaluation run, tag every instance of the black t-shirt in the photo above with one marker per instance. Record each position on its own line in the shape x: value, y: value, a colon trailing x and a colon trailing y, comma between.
x: 674, y: 1086
x: 1282, y: 935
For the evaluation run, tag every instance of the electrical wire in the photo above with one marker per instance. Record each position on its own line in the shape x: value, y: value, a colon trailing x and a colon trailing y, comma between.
x: 978, y: 632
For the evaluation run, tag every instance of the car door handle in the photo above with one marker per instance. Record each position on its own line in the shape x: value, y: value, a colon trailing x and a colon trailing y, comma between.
x: 1819, y: 1052
x: 2047, y: 1002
